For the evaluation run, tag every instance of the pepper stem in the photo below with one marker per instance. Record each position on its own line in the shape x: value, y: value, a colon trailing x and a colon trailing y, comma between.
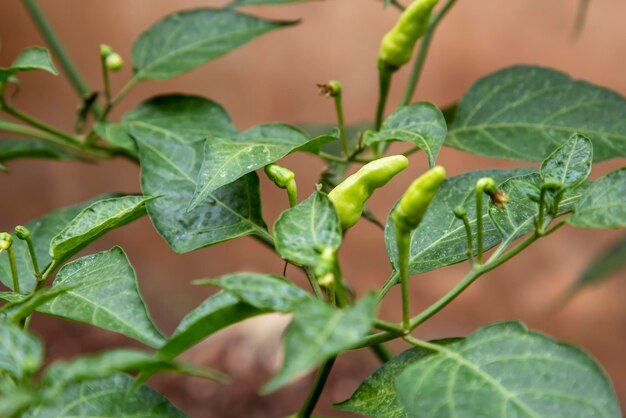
x: 403, y: 242
x: 292, y: 192
x: 479, y: 225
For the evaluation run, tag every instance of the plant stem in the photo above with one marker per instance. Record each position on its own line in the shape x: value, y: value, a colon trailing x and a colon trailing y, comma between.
x: 403, y: 242
x: 33, y: 257
x: 340, y: 120
x: 382, y: 353
x: 384, y: 82
x: 468, y: 233
x: 67, y: 139
x: 14, y: 275
x: 479, y: 225
x: 57, y: 48
x: 316, y: 390
x: 397, y: 5
x: 423, y: 344
x: 292, y: 193
x: 332, y: 158
x: 105, y: 80
x: 418, y: 66
x: 28, y: 131
x: 540, y: 217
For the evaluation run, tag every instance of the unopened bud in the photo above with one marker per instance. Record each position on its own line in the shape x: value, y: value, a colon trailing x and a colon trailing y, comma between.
x: 114, y: 61
x: 22, y: 232
x: 6, y: 240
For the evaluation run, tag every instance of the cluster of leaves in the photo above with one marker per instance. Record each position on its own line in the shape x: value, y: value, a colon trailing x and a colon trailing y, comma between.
x: 200, y: 187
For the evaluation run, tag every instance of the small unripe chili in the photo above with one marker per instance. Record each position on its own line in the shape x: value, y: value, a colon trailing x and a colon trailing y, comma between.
x: 351, y: 194
x: 22, y: 232
x: 409, y: 212
x: 397, y: 45
x: 285, y: 179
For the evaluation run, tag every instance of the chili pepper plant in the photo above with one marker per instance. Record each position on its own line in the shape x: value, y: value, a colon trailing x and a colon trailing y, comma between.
x: 200, y: 186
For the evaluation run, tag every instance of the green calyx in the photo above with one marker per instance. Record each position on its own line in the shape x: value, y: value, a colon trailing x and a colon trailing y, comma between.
x: 6, y: 240
x: 22, y: 232
x: 412, y: 207
x: 351, y: 194
x: 397, y: 45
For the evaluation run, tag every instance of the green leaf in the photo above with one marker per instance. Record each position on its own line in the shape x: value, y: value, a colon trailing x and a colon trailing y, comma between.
x: 170, y: 132
x: 504, y: 370
x: 184, y: 40
x: 612, y: 260
x: 262, y: 291
x: 117, y: 135
x: 570, y: 163
x: 421, y: 123
x: 14, y: 401
x: 32, y: 58
x: 104, y: 293
x: 215, y: 313
x: 440, y: 239
x: 42, y: 231
x: 13, y: 149
x: 376, y: 397
x: 518, y: 216
x: 523, y: 113
x: 94, y: 221
x: 318, y: 332
x: 228, y: 159
x: 603, y: 205
x: 21, y: 353
x: 108, y: 397
x: 62, y: 373
x: 302, y: 232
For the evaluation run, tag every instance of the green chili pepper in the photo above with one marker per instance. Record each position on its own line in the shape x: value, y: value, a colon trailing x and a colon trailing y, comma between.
x: 397, y: 45
x: 351, y: 194
x: 412, y: 207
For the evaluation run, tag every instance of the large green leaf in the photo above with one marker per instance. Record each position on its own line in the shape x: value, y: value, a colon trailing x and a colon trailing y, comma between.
x: 184, y: 40
x: 104, y: 293
x: 518, y: 216
x: 421, y: 123
x: 504, y: 370
x: 12, y: 149
x: 42, y: 231
x: 21, y: 353
x: 603, y: 205
x: 32, y: 58
x: 570, y: 164
x: 440, y: 239
x: 94, y: 221
x: 228, y: 159
x: 376, y: 397
x: 262, y: 291
x: 215, y: 313
x: 318, y: 332
x: 523, y: 113
x: 107, y: 398
x: 117, y: 135
x: 302, y: 232
x: 170, y: 132
x: 610, y: 261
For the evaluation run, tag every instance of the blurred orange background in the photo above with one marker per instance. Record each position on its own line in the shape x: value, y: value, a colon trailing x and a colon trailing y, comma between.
x: 273, y: 79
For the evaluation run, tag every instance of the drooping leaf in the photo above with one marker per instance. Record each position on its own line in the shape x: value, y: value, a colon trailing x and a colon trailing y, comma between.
x: 603, y: 205
x: 421, y: 123
x: 32, y: 58
x: 108, y: 397
x: 302, y: 232
x: 570, y: 163
x: 62, y: 373
x: 318, y: 332
x: 262, y: 291
x: 94, y: 221
x: 518, y: 216
x: 185, y: 40
x: 376, y: 397
x: 42, y: 231
x: 170, y: 132
x: 13, y: 149
x: 610, y: 261
x: 228, y: 159
x: 523, y: 113
x: 105, y: 294
x: 21, y: 353
x: 215, y: 313
x: 440, y: 240
x: 504, y: 370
